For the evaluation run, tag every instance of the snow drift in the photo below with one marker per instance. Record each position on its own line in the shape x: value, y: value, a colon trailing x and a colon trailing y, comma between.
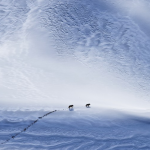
x: 57, y: 53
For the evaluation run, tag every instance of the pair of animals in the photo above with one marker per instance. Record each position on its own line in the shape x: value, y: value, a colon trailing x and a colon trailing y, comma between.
x: 71, y: 106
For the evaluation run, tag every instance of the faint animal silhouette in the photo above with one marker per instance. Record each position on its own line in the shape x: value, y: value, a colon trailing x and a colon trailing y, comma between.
x: 70, y: 106
x: 87, y: 105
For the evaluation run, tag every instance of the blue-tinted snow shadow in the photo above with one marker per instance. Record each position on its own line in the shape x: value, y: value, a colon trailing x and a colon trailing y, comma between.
x: 88, y: 107
x: 71, y: 109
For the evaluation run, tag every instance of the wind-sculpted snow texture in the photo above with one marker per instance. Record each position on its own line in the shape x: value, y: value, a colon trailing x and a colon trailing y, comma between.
x: 25, y: 129
x: 74, y: 130
x: 55, y: 53
x: 93, y: 32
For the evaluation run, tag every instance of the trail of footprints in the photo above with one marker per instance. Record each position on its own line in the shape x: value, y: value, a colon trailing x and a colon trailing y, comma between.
x: 14, y: 136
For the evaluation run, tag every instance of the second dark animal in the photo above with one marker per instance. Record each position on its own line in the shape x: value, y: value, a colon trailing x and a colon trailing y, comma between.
x: 87, y: 105
x: 70, y: 106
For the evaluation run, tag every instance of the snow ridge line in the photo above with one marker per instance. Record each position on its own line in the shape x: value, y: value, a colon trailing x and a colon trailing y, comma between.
x: 14, y: 136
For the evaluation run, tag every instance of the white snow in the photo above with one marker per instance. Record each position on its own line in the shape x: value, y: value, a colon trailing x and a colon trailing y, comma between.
x: 57, y: 53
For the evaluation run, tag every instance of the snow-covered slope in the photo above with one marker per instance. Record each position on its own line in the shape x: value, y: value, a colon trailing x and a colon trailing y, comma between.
x: 54, y: 53
x: 81, y: 129
x: 61, y: 52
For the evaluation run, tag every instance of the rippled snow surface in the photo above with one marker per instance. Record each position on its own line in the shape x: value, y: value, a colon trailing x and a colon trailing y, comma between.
x: 78, y: 129
x: 54, y: 53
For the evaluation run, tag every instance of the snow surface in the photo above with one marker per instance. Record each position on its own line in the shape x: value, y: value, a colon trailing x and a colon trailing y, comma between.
x: 54, y: 53
x: 79, y: 129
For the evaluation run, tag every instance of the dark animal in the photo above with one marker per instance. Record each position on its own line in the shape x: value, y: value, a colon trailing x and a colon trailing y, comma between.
x: 87, y: 105
x: 70, y: 106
